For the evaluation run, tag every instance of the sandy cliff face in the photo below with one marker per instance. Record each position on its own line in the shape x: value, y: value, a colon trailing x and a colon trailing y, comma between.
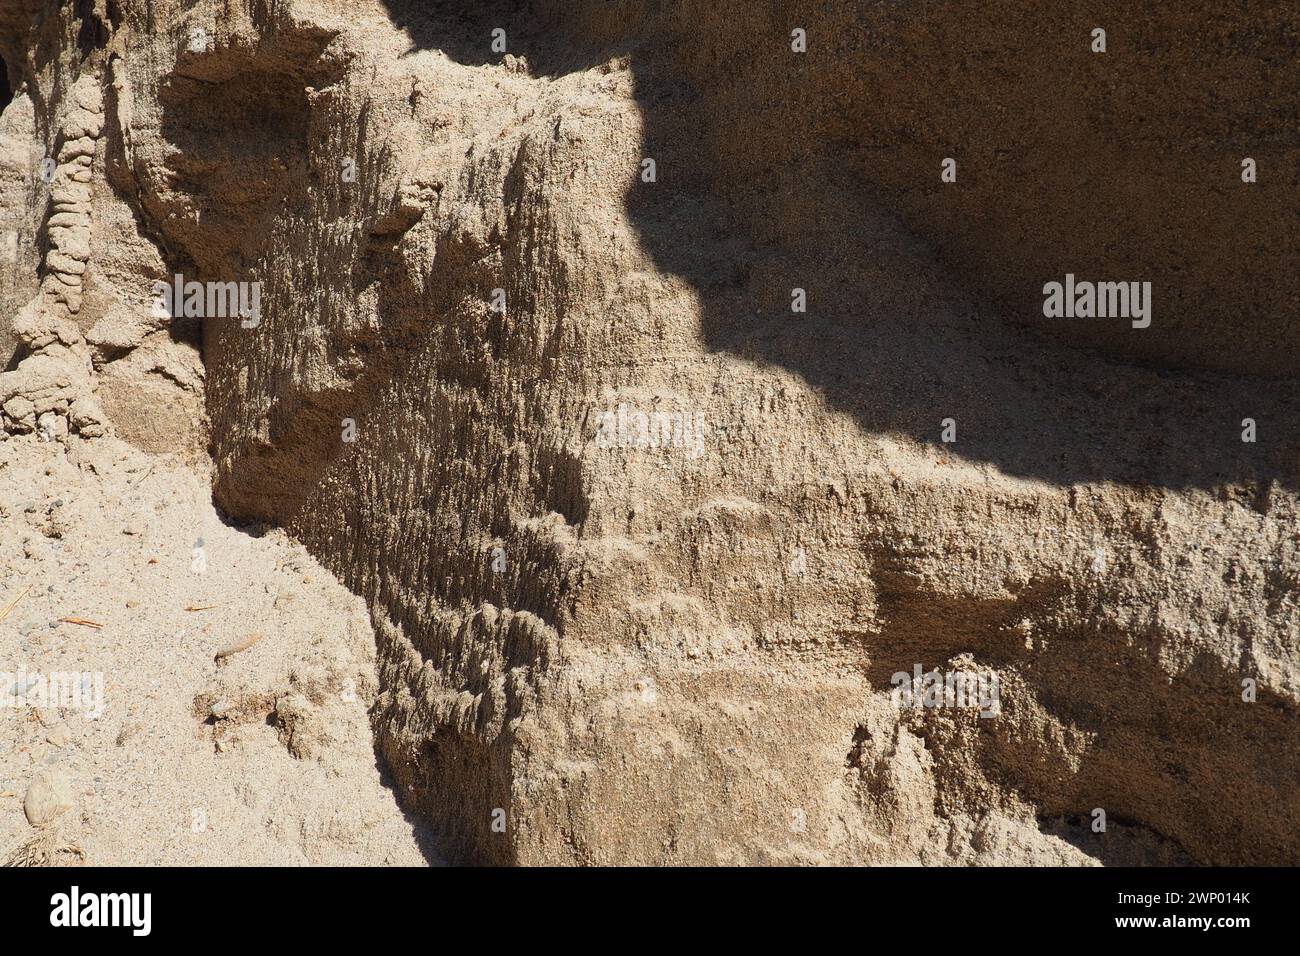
x: 642, y: 546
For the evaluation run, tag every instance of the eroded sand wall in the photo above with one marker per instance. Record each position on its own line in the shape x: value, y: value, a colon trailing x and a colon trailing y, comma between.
x: 684, y: 652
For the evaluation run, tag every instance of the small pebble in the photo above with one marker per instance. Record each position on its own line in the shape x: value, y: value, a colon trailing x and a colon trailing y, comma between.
x: 49, y: 796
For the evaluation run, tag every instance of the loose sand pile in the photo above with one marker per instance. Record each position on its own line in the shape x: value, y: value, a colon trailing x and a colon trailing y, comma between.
x: 171, y: 755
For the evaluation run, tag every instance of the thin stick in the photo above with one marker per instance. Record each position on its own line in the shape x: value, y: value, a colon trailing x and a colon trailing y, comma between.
x: 242, y: 644
x: 147, y: 472
x: 10, y: 606
x: 82, y: 621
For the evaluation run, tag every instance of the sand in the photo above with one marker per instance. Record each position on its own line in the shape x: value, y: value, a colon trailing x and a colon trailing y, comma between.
x: 131, y: 544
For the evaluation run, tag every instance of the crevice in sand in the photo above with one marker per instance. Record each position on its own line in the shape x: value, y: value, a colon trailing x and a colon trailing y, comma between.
x: 6, y: 91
